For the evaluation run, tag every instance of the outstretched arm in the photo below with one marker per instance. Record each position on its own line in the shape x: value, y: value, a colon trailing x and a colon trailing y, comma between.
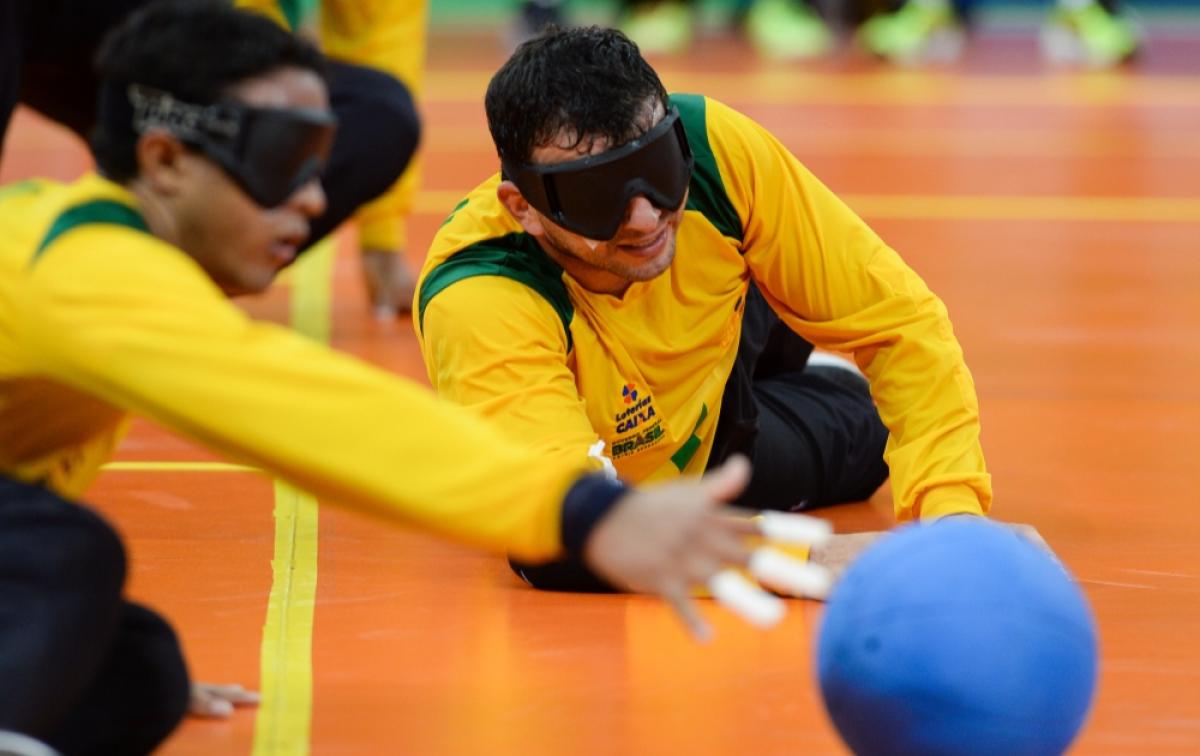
x: 835, y: 282
x: 158, y: 339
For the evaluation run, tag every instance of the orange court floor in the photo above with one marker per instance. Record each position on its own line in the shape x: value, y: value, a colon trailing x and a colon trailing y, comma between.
x: 1056, y: 213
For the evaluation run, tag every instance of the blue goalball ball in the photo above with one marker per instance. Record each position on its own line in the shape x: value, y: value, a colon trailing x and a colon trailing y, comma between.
x: 957, y: 637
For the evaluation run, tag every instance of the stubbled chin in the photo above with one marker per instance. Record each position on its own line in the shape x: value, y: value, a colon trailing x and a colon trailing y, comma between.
x: 251, y: 282
x: 647, y: 269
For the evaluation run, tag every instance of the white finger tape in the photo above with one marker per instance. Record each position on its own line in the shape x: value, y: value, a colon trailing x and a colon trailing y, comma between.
x: 745, y: 599
x: 794, y: 528
x: 785, y: 574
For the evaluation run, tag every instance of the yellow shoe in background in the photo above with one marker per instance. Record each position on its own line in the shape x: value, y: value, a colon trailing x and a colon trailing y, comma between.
x: 1084, y: 32
x: 787, y: 30
x: 660, y: 29
x: 922, y: 31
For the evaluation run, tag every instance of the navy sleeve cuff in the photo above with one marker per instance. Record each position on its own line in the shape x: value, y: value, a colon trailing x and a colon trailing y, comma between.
x: 586, y: 503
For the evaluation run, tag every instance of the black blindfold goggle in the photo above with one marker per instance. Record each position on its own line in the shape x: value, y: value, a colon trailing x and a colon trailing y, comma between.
x: 589, y: 196
x: 270, y: 152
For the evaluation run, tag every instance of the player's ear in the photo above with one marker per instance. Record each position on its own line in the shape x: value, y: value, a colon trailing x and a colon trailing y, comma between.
x: 160, y: 161
x: 512, y: 199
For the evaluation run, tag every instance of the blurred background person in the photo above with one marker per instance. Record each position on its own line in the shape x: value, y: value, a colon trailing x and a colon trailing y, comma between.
x: 534, y: 15
x: 46, y: 64
x: 1087, y: 32
x: 1094, y: 33
x: 388, y: 37
x: 778, y: 29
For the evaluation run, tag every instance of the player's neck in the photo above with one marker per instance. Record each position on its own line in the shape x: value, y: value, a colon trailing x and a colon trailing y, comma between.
x: 159, y: 219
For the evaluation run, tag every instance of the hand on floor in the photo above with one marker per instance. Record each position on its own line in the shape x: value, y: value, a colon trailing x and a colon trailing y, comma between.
x: 218, y: 701
x: 670, y: 538
x: 837, y: 553
x: 390, y: 283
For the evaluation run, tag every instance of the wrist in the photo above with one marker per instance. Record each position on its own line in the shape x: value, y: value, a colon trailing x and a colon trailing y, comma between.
x: 949, y: 500
x: 586, y: 503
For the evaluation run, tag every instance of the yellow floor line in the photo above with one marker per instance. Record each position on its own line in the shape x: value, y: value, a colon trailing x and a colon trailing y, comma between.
x: 963, y: 207
x: 1027, y: 208
x: 285, y: 714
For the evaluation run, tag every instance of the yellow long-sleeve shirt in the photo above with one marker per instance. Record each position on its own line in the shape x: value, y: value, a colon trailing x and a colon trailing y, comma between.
x: 99, y: 318
x: 505, y: 331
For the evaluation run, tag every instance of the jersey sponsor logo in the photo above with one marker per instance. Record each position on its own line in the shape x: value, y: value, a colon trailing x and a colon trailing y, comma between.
x: 635, y: 443
x: 639, y: 409
x: 631, y: 421
x: 639, y: 419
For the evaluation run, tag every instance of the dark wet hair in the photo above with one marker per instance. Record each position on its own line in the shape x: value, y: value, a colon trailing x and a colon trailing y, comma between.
x: 590, y: 82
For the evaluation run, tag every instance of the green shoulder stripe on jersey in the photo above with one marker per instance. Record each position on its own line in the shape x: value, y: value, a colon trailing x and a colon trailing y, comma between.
x: 516, y: 256
x: 685, y: 453
x: 28, y: 186
x: 297, y: 12
x: 97, y: 211
x: 706, y: 193
x: 461, y: 204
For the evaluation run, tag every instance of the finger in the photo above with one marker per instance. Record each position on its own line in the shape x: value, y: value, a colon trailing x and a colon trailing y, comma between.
x: 203, y: 704
x: 384, y: 312
x: 1031, y: 534
x: 687, y: 612
x: 726, y: 548
x: 794, y: 528
x: 696, y: 568
x: 235, y: 694
x: 743, y: 598
x: 782, y: 573
x: 738, y: 520
x: 728, y: 480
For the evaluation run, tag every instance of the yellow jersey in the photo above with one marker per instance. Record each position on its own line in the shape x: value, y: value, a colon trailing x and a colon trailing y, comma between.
x: 99, y: 319
x: 505, y: 331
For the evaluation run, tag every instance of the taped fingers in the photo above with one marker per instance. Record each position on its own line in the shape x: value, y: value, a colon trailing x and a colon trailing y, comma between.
x: 790, y: 576
x: 745, y: 599
x: 794, y: 528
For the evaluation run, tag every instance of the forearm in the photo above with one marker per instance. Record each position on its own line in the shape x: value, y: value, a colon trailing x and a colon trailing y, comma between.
x: 901, y: 337
x: 348, y: 432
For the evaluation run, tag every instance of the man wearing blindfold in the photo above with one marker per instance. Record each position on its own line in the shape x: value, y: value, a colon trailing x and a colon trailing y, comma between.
x: 46, y: 52
x: 214, y: 127
x: 642, y: 283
